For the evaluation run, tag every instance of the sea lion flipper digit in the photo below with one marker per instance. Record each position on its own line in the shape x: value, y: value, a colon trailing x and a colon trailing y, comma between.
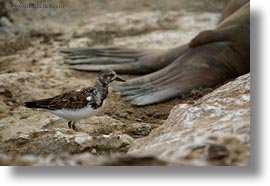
x: 118, y: 68
x: 106, y: 52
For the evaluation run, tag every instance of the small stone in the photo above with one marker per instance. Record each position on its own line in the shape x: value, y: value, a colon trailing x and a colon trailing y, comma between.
x: 34, y: 61
x: 4, y: 22
x: 7, y: 93
x: 123, y: 115
x: 94, y: 151
x: 129, y: 111
x: 216, y: 151
x: 139, y: 120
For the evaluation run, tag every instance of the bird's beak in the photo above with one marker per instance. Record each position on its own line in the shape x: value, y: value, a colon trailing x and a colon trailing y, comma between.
x: 119, y: 79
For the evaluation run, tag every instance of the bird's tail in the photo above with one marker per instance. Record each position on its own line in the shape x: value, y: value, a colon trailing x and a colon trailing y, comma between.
x: 36, y: 104
x: 31, y: 104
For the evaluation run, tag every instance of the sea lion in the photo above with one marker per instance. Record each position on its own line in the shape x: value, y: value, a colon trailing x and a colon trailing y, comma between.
x: 212, y: 57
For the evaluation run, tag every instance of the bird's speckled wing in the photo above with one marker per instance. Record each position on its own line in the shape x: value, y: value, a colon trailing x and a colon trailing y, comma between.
x: 71, y: 100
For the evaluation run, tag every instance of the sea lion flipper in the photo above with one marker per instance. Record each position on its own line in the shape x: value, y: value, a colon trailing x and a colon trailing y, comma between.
x: 201, y: 66
x: 121, y: 60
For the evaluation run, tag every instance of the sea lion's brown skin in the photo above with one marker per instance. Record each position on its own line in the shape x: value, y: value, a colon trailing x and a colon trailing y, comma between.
x: 232, y: 7
x: 212, y: 57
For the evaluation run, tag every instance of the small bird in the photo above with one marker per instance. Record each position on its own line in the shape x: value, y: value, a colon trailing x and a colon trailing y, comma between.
x: 81, y: 103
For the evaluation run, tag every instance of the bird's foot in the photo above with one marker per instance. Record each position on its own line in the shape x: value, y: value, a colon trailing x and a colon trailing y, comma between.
x: 72, y: 125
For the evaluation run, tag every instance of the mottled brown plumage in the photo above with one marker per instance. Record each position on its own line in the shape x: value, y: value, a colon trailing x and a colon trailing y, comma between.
x: 70, y: 100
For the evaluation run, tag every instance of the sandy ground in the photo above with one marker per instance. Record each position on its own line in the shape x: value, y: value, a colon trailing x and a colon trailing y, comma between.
x: 33, y: 68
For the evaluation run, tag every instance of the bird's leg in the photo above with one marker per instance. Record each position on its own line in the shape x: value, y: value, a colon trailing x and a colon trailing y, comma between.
x: 69, y: 124
x: 74, y: 126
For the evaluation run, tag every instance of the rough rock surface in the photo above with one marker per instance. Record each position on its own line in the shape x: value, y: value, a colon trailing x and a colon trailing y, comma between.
x: 60, y: 141
x: 213, y: 131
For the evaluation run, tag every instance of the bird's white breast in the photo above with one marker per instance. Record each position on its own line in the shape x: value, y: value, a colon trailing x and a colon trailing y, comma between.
x: 77, y: 114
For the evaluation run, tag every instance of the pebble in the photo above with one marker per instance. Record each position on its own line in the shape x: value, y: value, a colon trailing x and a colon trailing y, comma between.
x: 94, y: 151
x: 4, y: 22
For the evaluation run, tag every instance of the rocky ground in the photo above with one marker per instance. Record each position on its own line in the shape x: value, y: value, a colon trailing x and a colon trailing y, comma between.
x: 204, y: 127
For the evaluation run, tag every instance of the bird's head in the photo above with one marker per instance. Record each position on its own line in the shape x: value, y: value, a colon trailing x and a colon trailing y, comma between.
x: 108, y: 76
